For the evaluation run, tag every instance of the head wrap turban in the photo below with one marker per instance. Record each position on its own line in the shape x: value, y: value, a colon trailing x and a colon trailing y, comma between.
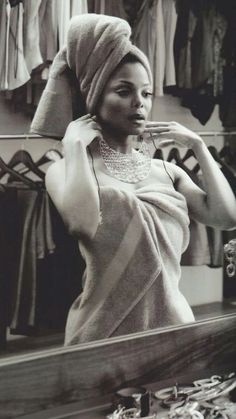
x: 95, y: 46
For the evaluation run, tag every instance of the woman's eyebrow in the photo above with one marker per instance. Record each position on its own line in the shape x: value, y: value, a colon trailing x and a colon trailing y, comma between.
x: 129, y: 83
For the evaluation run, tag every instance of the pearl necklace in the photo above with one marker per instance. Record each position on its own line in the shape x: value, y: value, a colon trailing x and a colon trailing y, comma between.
x: 127, y: 167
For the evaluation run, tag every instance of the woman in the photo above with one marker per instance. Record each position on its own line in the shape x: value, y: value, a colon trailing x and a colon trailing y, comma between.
x: 129, y: 212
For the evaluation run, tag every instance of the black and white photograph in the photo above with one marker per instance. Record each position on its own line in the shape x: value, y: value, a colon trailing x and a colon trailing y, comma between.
x: 117, y: 209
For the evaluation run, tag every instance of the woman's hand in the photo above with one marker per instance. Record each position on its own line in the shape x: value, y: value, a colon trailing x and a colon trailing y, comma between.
x: 170, y: 133
x: 83, y: 130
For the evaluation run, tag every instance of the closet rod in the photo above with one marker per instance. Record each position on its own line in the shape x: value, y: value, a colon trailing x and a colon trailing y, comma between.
x: 20, y: 136
x: 215, y: 133
x: 35, y: 136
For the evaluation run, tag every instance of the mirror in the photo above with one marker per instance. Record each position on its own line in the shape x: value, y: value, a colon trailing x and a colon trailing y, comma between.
x: 204, y: 282
x: 208, y: 289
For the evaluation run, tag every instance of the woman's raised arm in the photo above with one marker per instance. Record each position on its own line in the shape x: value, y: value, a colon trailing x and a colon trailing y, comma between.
x: 216, y: 205
x: 70, y: 181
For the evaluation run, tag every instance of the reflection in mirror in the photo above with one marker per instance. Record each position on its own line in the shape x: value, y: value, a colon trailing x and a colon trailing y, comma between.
x: 115, y: 242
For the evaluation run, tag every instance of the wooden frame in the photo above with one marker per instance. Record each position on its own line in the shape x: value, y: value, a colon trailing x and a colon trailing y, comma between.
x: 83, y: 373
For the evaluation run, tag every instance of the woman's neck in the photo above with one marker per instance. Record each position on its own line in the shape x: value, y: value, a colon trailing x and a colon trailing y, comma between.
x: 123, y: 144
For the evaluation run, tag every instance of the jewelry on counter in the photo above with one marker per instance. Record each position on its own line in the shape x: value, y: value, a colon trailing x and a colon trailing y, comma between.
x: 122, y: 413
x: 202, y: 399
x: 230, y: 255
x: 188, y: 411
x: 127, y: 167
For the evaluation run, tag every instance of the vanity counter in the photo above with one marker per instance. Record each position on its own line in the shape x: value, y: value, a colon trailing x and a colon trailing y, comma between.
x: 78, y: 382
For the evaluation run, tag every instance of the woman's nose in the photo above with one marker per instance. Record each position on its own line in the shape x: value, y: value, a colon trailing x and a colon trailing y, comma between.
x: 137, y: 101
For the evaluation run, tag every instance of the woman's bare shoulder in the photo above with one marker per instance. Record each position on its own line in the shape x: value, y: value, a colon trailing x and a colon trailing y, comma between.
x: 171, y: 167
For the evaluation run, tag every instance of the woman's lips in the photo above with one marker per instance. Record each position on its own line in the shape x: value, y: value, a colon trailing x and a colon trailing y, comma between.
x: 136, y: 118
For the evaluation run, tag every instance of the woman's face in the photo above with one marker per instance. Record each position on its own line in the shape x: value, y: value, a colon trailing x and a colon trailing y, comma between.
x: 126, y: 100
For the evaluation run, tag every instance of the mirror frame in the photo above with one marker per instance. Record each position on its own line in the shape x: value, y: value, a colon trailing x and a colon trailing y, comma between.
x: 89, y: 373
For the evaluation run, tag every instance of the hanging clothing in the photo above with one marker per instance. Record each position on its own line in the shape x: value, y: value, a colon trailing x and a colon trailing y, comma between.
x: 63, y: 18
x: 170, y: 22
x: 79, y: 7
x: 41, y: 267
x: 31, y: 34
x: 185, y: 28
x: 110, y: 7
x: 5, y: 10
x: 47, y: 38
x: 30, y: 203
x: 154, y: 34
x: 59, y: 276
x: 149, y: 37
x: 8, y: 219
x: 199, y: 38
x: 227, y: 101
x: 17, y: 71
x: 63, y: 11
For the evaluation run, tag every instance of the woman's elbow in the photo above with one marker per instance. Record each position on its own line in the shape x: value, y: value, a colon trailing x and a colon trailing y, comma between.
x: 226, y: 222
x: 230, y: 223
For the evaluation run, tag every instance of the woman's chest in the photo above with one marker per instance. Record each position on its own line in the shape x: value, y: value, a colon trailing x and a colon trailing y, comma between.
x: 156, y: 176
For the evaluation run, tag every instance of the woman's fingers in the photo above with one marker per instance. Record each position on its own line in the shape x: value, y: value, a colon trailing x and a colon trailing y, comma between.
x: 157, y: 123
x: 89, y: 119
x: 157, y: 130
x: 82, y: 118
x: 172, y: 130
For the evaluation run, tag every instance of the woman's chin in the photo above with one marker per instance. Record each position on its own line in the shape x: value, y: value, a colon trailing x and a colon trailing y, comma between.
x: 137, y: 131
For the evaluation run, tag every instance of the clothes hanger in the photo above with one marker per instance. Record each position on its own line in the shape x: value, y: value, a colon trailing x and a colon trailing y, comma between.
x: 214, y: 153
x: 219, y: 160
x: 23, y: 156
x: 196, y: 168
x: 5, y: 169
x: 174, y: 154
x: 188, y: 154
x: 158, y: 154
x: 49, y: 156
x: 227, y: 154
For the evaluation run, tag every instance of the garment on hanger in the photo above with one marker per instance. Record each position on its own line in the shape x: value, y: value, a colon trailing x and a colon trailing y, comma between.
x: 31, y: 34
x: 154, y: 34
x: 110, y: 7
x: 41, y: 266
x: 199, y: 38
x: 17, y: 72
x: 47, y: 33
x: 227, y: 101
x: 63, y: 11
x: 185, y: 28
x: 4, y: 39
x: 7, y: 252
x: 170, y: 22
x: 78, y: 7
x: 149, y: 37
x: 14, y: 3
x: 24, y: 291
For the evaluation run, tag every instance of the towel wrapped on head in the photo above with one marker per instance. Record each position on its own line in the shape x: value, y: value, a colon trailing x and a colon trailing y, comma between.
x: 96, y: 44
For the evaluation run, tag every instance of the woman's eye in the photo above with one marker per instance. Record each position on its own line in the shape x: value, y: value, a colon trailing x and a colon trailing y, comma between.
x: 148, y: 94
x: 123, y: 92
